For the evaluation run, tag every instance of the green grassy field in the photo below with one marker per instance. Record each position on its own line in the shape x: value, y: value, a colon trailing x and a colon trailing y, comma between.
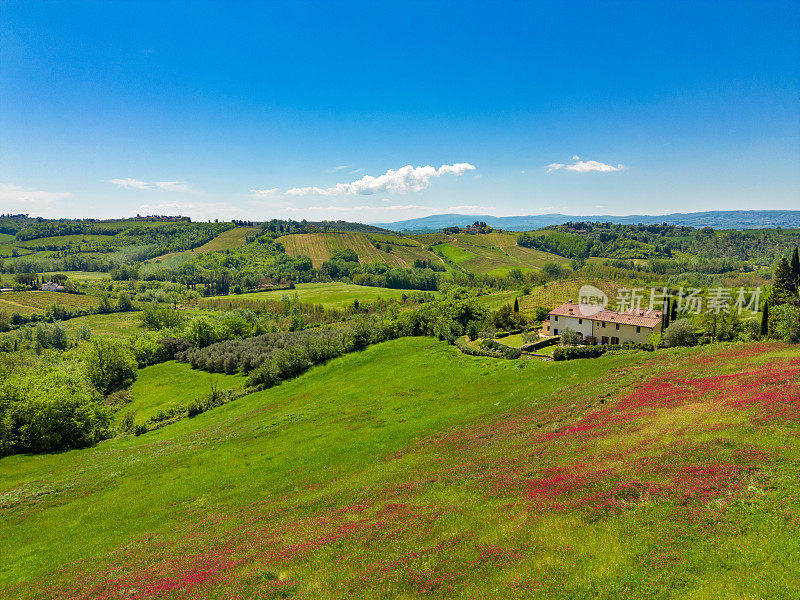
x: 81, y: 275
x: 335, y: 294
x: 65, y: 241
x: 493, y: 253
x: 173, y: 384
x: 119, y: 325
x: 677, y: 477
x: 455, y: 253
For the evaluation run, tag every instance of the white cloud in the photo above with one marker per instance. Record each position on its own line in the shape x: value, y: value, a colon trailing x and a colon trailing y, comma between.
x: 267, y: 193
x: 364, y: 213
x: 576, y: 157
x: 16, y: 198
x: 130, y: 183
x: 585, y: 166
x: 404, y: 179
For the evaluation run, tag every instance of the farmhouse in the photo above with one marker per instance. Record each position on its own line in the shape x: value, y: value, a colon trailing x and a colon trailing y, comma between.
x: 605, y: 326
x: 51, y: 286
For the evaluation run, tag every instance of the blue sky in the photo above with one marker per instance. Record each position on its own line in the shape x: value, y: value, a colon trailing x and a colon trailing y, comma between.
x: 217, y: 110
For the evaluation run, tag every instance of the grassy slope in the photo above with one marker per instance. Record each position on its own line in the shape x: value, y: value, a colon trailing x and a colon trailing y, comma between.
x: 335, y: 294
x: 493, y: 253
x: 112, y: 324
x: 462, y: 477
x: 232, y: 238
x: 173, y: 383
x: 496, y: 253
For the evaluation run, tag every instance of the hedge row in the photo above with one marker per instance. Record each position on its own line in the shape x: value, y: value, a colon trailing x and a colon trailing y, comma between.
x: 505, y: 351
x: 462, y: 345
x: 572, y: 352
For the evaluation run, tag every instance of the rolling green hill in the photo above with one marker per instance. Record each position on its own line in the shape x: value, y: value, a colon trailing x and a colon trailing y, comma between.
x: 649, y: 475
x: 320, y: 246
x: 494, y: 253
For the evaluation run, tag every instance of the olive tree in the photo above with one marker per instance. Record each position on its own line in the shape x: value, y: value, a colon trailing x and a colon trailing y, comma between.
x: 680, y: 333
x: 570, y: 337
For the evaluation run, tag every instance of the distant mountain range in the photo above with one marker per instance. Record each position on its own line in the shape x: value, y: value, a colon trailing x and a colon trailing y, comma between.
x: 719, y: 219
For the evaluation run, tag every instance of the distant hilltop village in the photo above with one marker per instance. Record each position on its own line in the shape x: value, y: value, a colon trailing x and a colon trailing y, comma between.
x: 163, y: 218
x: 159, y: 218
x: 476, y: 227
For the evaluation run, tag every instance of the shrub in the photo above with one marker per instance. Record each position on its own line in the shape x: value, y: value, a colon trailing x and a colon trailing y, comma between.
x: 124, y: 303
x: 109, y: 365
x: 125, y: 423
x: 147, y: 351
x: 572, y: 352
x: 201, y: 331
x: 501, y: 349
x: 155, y: 317
x: 51, y: 335
x: 680, y: 333
x: 53, y: 410
x: 784, y: 323
x: 173, y: 346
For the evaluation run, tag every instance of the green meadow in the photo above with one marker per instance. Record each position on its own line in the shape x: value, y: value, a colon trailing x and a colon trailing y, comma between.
x: 120, y: 325
x: 173, y: 384
x: 504, y: 479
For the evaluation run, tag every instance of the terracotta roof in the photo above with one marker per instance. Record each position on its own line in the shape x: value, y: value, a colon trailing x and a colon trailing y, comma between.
x: 640, y: 317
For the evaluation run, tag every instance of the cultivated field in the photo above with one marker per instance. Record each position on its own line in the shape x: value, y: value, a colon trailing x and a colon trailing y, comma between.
x: 320, y: 246
x: 328, y: 294
x: 35, y: 301
x: 676, y: 477
x: 232, y: 238
x: 118, y: 324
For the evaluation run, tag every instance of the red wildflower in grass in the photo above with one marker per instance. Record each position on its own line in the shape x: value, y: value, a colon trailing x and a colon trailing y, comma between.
x: 518, y: 461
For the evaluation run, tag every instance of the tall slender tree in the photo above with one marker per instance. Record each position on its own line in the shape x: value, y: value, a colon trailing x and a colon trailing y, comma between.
x: 783, y: 289
x: 794, y: 267
x: 765, y: 318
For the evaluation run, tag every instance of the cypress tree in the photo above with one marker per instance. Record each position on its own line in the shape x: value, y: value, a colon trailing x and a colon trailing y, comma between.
x: 794, y: 266
x: 765, y: 318
x: 516, y: 305
x: 783, y: 288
